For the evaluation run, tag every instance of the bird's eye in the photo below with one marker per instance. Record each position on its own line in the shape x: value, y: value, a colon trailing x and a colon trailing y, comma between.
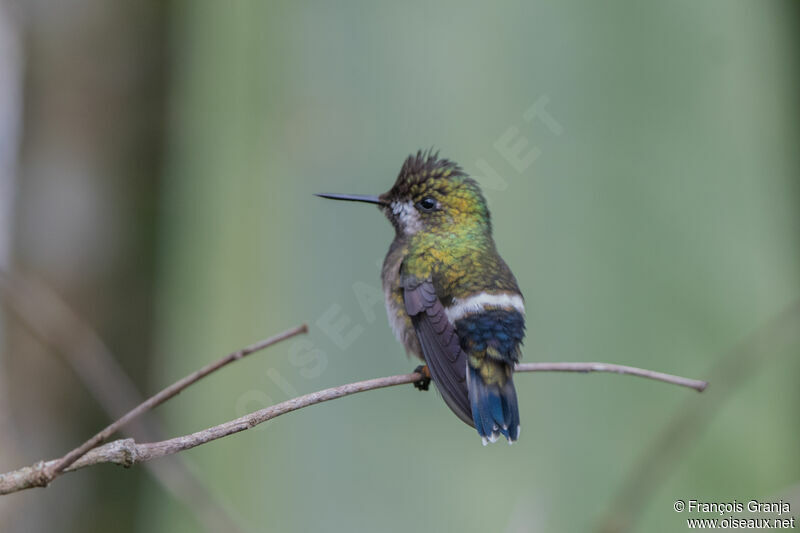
x: 427, y: 204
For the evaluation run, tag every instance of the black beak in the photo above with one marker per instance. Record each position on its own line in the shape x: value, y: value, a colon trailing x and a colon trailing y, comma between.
x: 353, y: 198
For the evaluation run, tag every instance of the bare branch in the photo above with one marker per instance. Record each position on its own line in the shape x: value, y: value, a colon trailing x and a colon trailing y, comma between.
x: 695, y: 384
x: 50, y: 319
x: 128, y: 453
x: 163, y: 396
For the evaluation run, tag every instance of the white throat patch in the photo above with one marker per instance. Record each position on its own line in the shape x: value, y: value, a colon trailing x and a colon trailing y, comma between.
x: 476, y: 303
x: 408, y: 217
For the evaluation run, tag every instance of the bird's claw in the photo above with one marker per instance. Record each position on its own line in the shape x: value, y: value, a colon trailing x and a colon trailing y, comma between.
x: 424, y: 382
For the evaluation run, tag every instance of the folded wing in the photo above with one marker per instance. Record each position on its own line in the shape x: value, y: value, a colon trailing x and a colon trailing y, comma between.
x: 446, y: 360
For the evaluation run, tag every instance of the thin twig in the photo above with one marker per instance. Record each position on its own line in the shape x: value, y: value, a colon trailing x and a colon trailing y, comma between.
x: 127, y: 453
x: 695, y: 384
x: 163, y: 396
x: 51, y: 320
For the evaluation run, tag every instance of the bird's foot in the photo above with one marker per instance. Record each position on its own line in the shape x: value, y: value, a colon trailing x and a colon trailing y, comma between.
x: 425, y: 381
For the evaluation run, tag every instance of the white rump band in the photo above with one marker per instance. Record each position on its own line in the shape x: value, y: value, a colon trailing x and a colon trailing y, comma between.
x: 476, y: 303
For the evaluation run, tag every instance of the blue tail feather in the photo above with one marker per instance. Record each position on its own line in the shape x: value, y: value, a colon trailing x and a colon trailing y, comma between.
x: 494, y: 408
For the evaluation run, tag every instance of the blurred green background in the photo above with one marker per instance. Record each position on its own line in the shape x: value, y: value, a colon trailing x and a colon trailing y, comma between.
x: 162, y: 171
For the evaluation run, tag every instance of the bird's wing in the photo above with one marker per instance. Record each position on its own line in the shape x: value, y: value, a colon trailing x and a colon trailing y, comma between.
x: 446, y: 360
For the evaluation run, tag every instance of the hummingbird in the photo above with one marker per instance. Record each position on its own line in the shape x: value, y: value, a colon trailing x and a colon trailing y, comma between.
x: 451, y: 299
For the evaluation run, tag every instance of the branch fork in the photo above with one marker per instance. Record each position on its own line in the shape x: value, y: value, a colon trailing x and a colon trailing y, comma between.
x: 126, y: 452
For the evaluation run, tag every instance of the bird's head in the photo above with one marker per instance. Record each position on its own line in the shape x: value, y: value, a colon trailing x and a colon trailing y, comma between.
x: 431, y: 195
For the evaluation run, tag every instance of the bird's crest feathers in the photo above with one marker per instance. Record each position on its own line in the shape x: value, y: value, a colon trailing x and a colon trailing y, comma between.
x: 432, y: 192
